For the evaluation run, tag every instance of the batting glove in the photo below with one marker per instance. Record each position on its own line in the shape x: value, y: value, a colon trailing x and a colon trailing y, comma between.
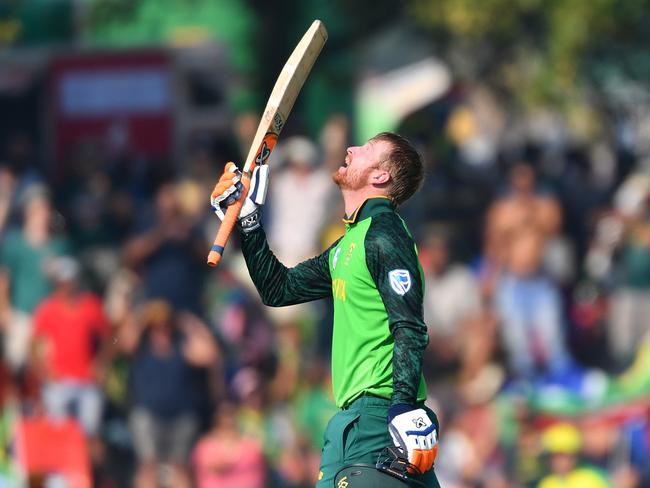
x: 416, y: 434
x: 229, y: 188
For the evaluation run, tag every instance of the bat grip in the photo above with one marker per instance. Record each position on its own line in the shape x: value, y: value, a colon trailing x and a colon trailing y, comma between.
x: 228, y: 224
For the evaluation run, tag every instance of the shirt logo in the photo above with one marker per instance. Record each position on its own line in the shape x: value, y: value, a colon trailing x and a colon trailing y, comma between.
x: 338, y: 288
x: 400, y: 281
x: 336, y: 257
x: 349, y: 254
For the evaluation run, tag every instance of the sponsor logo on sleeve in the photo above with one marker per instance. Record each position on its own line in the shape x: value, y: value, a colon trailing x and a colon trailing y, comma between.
x: 400, y: 281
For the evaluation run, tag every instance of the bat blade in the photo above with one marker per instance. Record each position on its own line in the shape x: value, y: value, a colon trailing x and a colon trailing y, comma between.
x: 279, y: 105
x: 284, y: 94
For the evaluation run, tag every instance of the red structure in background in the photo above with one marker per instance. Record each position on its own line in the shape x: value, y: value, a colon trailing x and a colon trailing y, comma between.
x: 44, y: 446
x: 121, y: 101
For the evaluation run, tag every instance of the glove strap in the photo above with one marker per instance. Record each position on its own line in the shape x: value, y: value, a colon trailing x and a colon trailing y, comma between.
x: 400, y: 408
x: 250, y: 222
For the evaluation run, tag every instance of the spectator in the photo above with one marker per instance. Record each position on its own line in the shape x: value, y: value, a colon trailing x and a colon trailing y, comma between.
x: 241, y: 324
x: 519, y: 226
x: 168, y: 351
x: 562, y: 443
x: 17, y: 175
x: 6, y: 192
x: 69, y: 349
x: 445, y: 281
x: 298, y: 200
x: 313, y: 407
x: 610, y: 446
x: 168, y: 249
x: 227, y: 458
x: 462, y: 332
x: 24, y: 255
x: 630, y: 303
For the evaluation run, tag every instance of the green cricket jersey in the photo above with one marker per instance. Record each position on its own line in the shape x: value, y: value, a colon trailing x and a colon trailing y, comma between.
x: 375, y: 279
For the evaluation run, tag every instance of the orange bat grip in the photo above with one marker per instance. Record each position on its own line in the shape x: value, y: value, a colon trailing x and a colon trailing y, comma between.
x: 228, y: 224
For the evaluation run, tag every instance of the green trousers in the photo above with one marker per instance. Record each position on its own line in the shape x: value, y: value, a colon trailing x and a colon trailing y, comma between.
x: 358, y: 434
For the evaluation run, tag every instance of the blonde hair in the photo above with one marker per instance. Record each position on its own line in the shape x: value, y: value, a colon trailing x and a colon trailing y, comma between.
x: 405, y: 166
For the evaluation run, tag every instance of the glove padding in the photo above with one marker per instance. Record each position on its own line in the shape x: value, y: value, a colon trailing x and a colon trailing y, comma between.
x: 416, y: 434
x: 229, y: 188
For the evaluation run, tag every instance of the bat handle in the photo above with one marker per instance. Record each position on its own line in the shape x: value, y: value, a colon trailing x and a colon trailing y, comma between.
x: 228, y: 224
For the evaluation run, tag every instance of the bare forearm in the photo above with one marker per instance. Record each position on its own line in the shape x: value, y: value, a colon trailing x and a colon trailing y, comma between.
x: 141, y: 247
x: 4, y: 291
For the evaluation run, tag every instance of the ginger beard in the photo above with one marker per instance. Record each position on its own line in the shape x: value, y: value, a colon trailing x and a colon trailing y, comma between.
x: 349, y: 178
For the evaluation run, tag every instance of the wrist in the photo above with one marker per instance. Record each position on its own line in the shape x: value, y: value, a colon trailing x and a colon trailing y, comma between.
x: 399, y: 409
x: 250, y: 222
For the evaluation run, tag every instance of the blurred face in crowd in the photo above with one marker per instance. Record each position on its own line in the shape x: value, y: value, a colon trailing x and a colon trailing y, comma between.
x: 38, y: 212
x: 66, y: 286
x: 158, y: 317
x: 438, y: 254
x: 166, y: 201
x: 361, y: 167
x: 19, y: 152
x: 522, y: 179
x: 562, y: 463
x: 226, y: 418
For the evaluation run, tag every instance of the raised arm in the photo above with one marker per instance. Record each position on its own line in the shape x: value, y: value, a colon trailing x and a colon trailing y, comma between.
x: 278, y: 285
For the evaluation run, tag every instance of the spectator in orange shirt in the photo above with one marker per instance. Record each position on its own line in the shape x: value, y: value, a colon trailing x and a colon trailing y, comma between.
x: 70, y: 328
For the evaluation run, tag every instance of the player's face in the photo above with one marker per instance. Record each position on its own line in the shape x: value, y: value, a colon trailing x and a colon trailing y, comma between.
x: 360, y: 162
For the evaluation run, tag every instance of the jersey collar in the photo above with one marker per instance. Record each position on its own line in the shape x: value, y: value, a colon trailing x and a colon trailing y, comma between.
x: 370, y: 207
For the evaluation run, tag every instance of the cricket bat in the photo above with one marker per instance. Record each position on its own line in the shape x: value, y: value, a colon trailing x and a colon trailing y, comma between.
x: 278, y: 107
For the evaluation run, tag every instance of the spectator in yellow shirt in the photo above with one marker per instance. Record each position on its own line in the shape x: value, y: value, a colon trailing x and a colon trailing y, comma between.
x: 562, y: 442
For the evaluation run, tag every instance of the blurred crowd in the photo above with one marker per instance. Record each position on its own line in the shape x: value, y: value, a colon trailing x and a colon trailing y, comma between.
x: 536, y: 252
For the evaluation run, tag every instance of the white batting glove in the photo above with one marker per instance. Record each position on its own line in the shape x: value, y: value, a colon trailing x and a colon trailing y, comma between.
x: 417, y: 435
x: 228, y: 190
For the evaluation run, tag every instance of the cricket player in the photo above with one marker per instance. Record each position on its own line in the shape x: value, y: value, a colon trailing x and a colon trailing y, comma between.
x: 374, y: 277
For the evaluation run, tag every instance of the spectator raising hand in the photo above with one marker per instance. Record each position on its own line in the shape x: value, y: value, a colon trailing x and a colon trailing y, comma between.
x: 166, y: 385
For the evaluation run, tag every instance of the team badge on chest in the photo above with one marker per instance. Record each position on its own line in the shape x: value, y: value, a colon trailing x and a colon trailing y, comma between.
x: 349, y: 254
x: 400, y: 281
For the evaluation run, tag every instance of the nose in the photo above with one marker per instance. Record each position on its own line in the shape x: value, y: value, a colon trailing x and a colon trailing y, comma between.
x: 351, y: 150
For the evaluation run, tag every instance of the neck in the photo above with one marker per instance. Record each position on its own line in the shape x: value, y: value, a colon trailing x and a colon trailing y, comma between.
x: 66, y: 293
x: 352, y: 199
x: 36, y: 233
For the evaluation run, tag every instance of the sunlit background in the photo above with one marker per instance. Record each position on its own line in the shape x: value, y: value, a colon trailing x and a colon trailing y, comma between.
x: 128, y: 362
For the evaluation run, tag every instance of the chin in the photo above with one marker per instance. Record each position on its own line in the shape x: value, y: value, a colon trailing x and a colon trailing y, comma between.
x: 338, y: 178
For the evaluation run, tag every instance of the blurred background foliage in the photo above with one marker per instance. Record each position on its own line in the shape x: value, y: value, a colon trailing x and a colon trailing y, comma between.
x: 581, y: 58
x: 540, y: 52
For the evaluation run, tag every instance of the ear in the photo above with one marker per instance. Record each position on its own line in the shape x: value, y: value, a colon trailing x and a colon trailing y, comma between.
x: 380, y: 177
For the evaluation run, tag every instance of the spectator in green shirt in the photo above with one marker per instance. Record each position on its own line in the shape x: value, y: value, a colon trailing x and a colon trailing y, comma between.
x: 24, y: 255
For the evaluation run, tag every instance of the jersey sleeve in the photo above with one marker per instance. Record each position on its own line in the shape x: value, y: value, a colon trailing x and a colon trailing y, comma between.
x: 394, y: 266
x: 278, y: 285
